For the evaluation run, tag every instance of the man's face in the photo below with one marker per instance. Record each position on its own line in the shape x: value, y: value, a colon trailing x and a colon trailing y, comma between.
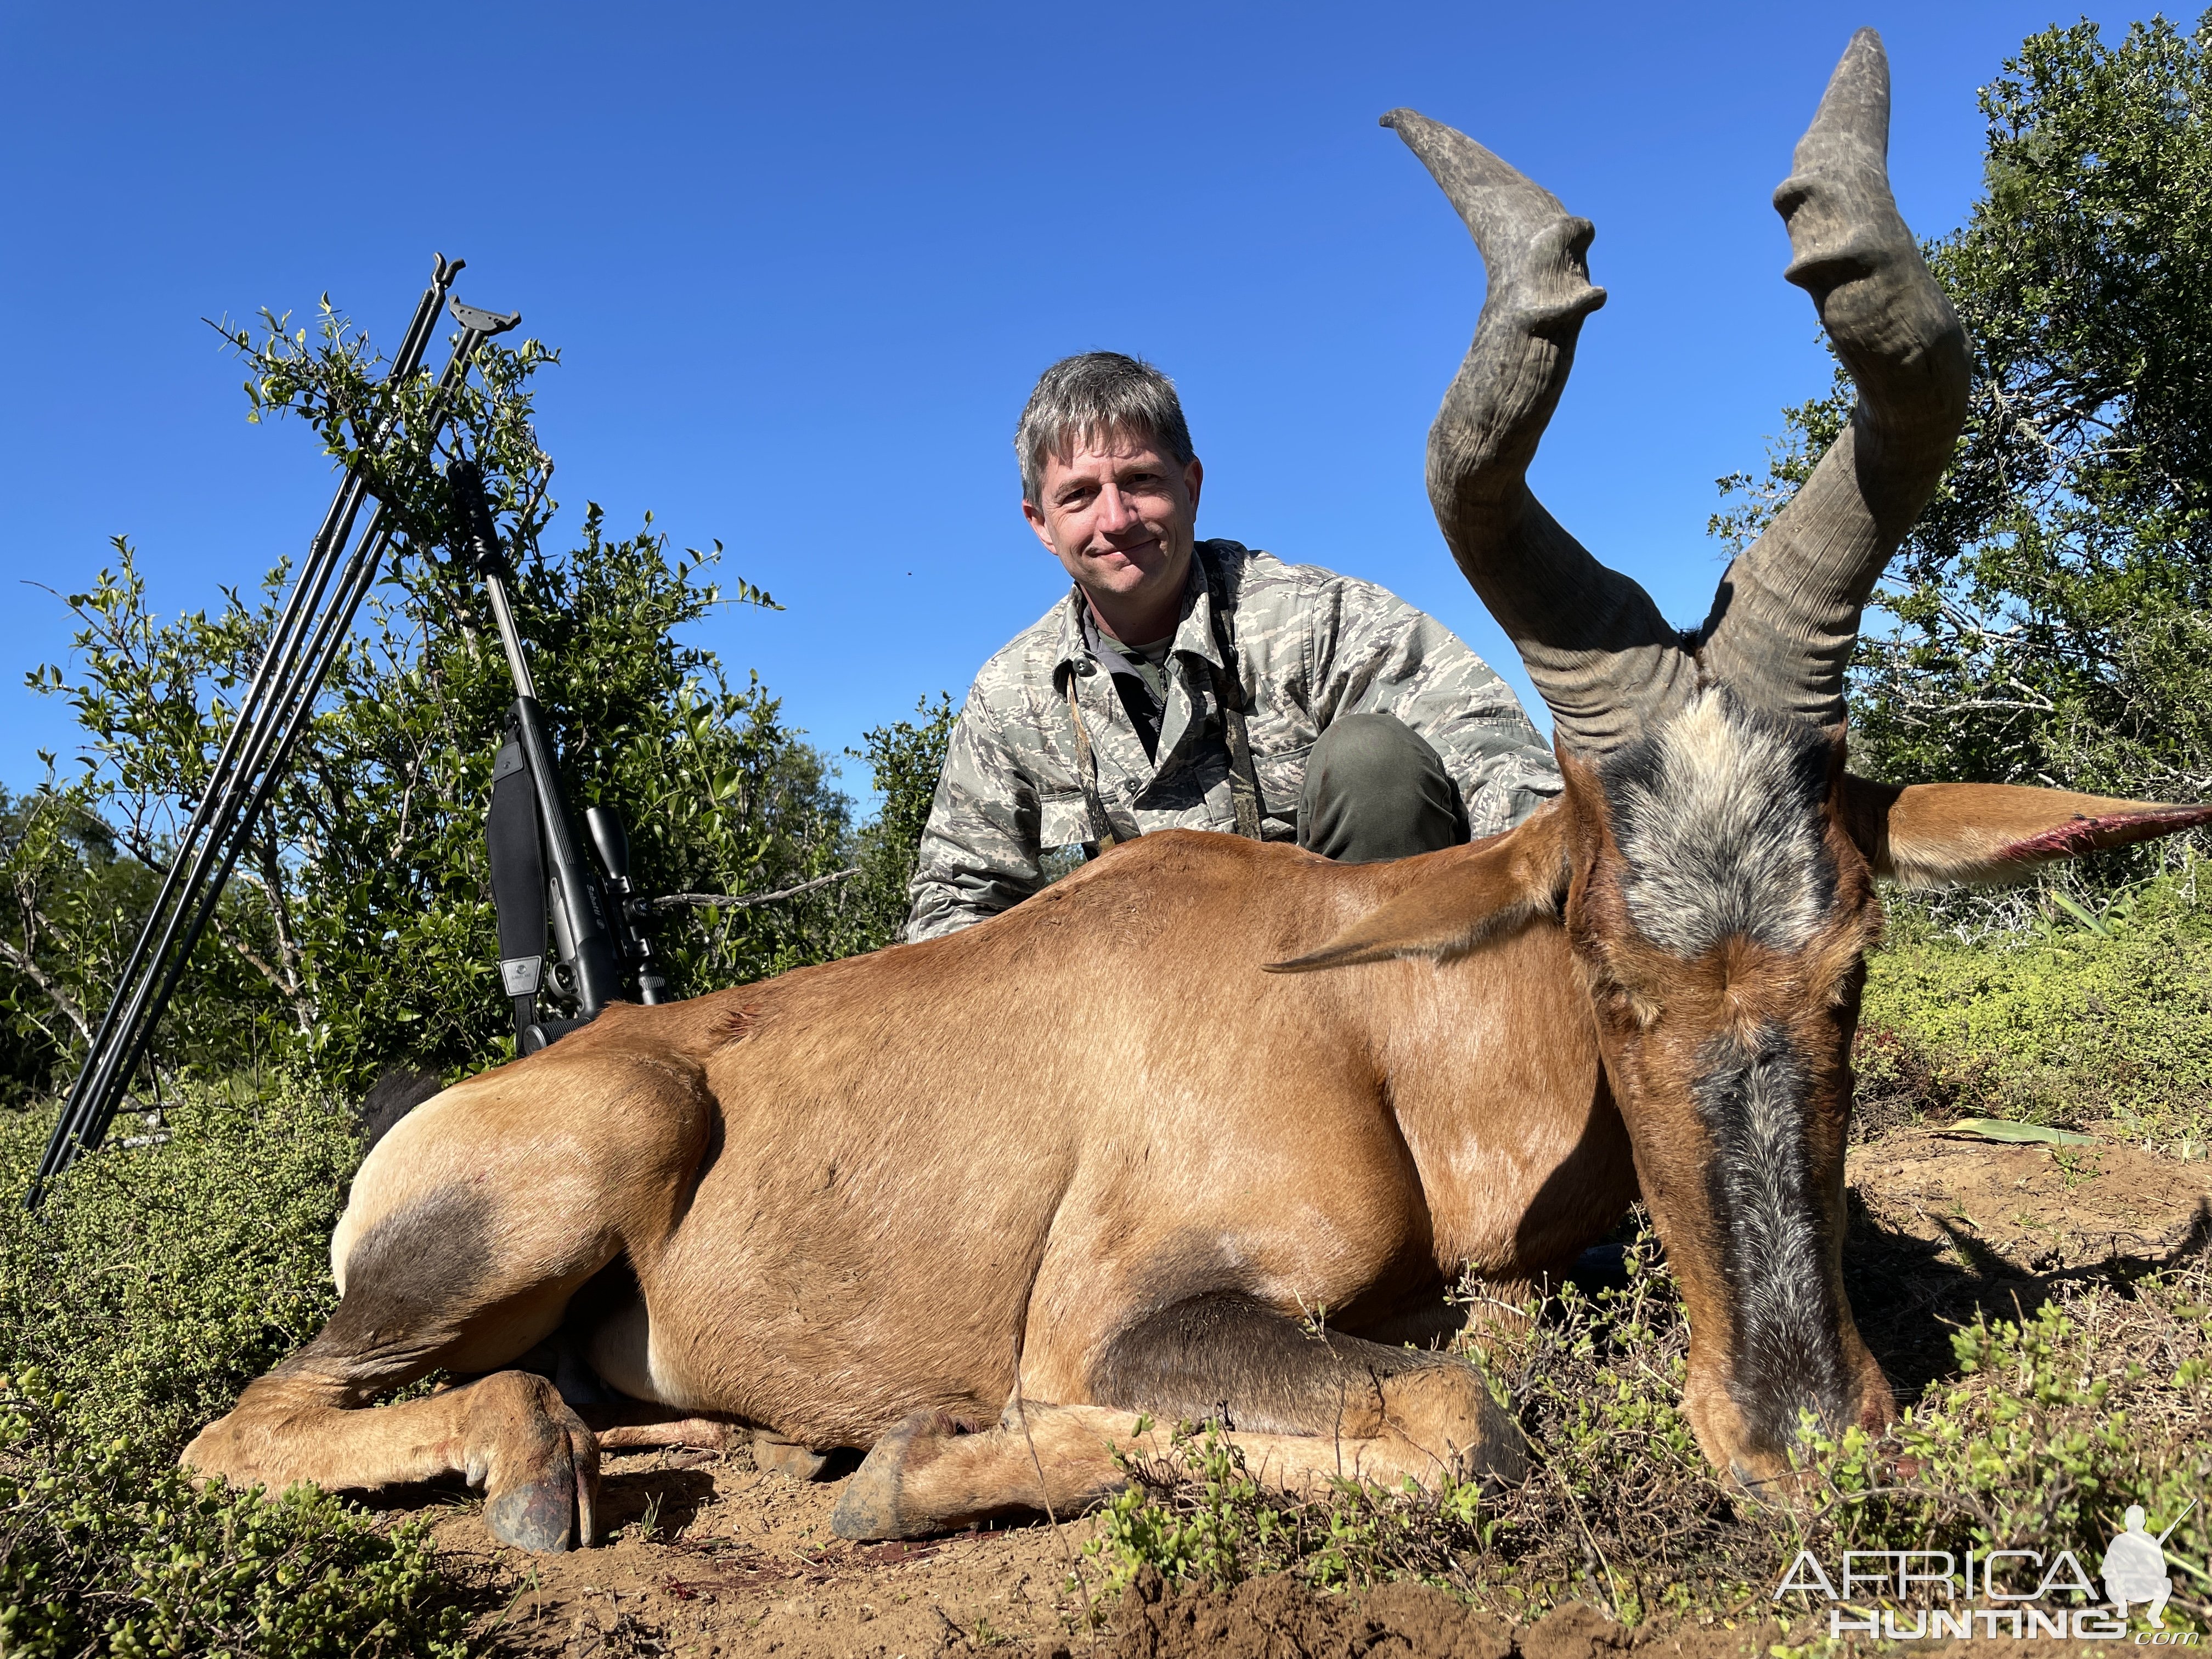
x: 1121, y: 519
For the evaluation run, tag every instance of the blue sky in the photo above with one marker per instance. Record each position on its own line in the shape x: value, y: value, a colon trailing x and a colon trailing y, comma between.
x: 803, y: 264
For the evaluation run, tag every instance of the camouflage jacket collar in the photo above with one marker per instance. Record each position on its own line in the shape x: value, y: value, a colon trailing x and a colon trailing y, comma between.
x: 1195, y: 634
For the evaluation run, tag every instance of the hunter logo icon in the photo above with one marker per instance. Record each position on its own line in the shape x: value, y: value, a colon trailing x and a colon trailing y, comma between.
x: 2009, y: 1592
x: 2135, y: 1567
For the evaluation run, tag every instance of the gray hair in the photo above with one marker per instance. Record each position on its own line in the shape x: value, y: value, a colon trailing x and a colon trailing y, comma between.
x: 1087, y: 398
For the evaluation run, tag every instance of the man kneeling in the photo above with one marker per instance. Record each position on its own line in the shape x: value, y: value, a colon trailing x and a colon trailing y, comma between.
x: 1201, y: 685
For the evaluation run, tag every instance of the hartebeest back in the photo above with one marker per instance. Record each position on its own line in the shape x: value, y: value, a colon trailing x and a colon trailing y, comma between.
x: 978, y: 1202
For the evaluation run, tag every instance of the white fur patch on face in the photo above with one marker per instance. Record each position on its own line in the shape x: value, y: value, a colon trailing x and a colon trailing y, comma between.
x: 1718, y: 818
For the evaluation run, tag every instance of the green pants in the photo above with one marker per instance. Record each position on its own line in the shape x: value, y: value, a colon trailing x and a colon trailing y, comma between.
x: 1374, y: 789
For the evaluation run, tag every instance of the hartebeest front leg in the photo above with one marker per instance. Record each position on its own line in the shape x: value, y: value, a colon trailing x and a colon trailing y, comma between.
x: 1303, y: 1408
x: 415, y: 1301
x: 470, y: 1229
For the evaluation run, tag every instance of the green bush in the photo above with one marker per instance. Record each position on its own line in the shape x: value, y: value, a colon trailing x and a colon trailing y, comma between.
x: 1199, y: 1516
x: 156, y: 1280
x: 2049, y: 618
x: 106, y: 1549
x: 904, y: 759
x: 358, y: 927
x: 2055, y: 1424
x: 2064, y: 1022
x: 78, y: 900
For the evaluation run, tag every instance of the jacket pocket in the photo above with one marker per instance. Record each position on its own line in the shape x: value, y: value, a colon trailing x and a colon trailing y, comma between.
x: 1282, y: 778
x: 1062, y: 820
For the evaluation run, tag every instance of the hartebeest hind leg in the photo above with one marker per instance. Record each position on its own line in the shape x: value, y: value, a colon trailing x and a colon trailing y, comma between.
x: 509, y: 1433
x: 445, y: 1268
x: 1303, y: 1408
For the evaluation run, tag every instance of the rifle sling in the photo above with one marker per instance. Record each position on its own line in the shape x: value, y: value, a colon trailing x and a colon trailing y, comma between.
x: 1102, y: 832
x: 1229, y: 692
x: 518, y: 877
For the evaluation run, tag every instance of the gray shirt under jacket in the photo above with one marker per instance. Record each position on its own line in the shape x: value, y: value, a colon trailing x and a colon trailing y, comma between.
x: 1311, y: 648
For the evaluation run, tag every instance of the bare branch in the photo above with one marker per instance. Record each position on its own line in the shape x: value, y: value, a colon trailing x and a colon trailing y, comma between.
x: 303, y: 1007
x: 29, y: 969
x: 752, y: 901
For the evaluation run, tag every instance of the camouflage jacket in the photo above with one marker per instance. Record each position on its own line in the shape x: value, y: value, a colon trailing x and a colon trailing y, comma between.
x: 1311, y: 646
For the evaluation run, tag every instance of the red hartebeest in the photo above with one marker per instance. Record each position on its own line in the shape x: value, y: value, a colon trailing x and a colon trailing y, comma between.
x: 1093, y: 1158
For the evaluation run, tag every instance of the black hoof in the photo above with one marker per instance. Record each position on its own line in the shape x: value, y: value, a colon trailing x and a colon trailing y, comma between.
x: 869, y: 1507
x: 540, y: 1517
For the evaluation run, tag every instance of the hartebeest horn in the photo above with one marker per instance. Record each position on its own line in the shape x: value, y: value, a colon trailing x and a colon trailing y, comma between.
x: 1787, y: 613
x: 1593, y: 643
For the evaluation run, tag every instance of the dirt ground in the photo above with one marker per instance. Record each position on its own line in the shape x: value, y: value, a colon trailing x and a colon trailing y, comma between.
x: 711, y: 1557
x: 753, y: 1572
x: 1943, y: 1224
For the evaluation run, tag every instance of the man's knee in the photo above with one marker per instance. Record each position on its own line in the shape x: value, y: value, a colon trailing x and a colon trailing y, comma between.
x: 1372, y: 751
x: 1375, y: 789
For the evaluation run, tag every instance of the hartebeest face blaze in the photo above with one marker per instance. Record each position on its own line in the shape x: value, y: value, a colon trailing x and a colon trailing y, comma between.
x: 1720, y: 914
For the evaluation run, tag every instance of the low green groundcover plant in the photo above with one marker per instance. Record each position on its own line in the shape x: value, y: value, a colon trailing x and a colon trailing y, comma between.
x: 2092, y: 1010
x: 156, y: 1282
x: 158, y: 1279
x: 2052, y: 1425
x: 106, y: 1548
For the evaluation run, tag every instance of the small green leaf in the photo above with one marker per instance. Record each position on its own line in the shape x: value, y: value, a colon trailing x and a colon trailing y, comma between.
x: 2082, y: 912
x: 1998, y: 1128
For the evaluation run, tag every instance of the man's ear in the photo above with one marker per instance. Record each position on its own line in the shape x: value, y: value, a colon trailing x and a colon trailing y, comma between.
x: 1946, y: 835
x: 1039, y: 524
x: 1478, y: 896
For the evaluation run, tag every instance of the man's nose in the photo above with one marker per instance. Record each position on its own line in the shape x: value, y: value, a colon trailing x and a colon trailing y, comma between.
x: 1114, y: 513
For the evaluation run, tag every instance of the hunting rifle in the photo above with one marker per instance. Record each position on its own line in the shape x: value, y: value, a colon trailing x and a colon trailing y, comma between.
x: 596, y: 915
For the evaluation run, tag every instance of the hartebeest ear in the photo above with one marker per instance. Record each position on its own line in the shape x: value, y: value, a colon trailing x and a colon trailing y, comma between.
x: 1945, y: 835
x: 1473, y: 897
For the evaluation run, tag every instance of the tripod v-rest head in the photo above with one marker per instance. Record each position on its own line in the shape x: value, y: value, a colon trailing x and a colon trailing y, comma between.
x: 477, y: 320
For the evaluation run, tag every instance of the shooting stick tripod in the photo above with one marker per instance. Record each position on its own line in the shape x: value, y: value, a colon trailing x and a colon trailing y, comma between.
x: 274, y: 710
